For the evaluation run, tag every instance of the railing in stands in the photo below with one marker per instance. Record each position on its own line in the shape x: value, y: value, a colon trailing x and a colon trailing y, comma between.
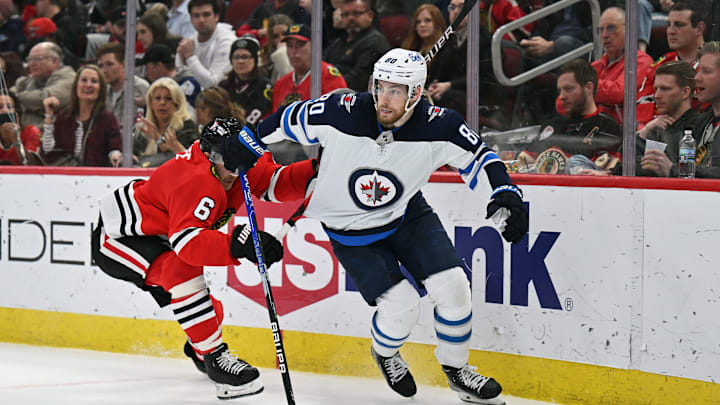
x: 496, y: 51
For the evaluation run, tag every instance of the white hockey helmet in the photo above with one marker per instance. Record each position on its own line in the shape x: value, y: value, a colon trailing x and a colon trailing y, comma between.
x: 403, y: 67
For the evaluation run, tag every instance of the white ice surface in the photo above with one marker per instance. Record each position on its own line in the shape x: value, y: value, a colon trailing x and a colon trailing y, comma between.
x: 35, y: 375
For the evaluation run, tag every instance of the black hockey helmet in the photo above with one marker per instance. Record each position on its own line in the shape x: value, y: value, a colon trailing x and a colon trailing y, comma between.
x: 214, y: 134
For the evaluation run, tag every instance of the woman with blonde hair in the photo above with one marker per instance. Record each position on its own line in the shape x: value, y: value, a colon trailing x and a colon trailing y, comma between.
x: 168, y: 127
x: 85, y: 133
x: 214, y: 102
x: 426, y: 27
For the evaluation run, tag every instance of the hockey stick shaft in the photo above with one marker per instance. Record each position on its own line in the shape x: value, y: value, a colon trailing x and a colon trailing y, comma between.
x: 293, y: 219
x: 445, y: 37
x: 274, y: 324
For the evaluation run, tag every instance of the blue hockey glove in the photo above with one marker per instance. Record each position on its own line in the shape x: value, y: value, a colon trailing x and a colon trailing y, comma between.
x: 241, y: 245
x: 242, y: 150
x: 510, y: 198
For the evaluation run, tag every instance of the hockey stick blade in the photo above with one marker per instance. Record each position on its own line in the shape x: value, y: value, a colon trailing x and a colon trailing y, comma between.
x: 274, y: 324
x: 445, y: 37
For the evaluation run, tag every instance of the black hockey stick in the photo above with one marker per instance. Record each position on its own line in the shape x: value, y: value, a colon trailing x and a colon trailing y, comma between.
x: 445, y: 37
x: 274, y: 324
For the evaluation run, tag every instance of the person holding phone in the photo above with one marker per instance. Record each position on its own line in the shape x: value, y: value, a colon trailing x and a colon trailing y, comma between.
x: 17, y: 145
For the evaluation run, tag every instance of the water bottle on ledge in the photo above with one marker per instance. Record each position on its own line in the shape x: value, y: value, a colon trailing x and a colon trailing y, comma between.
x: 686, y: 163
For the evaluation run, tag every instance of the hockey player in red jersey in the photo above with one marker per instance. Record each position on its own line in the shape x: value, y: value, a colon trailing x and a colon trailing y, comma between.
x: 159, y: 233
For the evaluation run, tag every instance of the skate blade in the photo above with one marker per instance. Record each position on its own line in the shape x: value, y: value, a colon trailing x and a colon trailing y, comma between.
x: 498, y: 400
x: 225, y: 391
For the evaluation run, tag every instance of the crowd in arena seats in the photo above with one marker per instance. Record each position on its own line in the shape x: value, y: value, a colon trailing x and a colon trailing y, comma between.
x: 198, y: 59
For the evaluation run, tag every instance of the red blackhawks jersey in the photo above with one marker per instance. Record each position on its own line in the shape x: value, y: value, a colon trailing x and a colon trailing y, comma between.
x: 30, y: 138
x: 287, y: 92
x: 185, y: 201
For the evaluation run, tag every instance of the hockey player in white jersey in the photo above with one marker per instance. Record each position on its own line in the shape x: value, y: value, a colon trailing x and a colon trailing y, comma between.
x: 378, y: 149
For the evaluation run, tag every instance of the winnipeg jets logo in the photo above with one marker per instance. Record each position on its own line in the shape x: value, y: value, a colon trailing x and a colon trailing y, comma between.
x: 434, y: 112
x: 374, y: 191
x: 371, y: 188
x: 348, y: 101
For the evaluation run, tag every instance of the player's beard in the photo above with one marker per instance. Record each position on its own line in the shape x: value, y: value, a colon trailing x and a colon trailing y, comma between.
x: 388, y: 120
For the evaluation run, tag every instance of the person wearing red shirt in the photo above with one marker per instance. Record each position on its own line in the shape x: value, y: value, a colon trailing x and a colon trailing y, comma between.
x: 610, y: 67
x: 160, y: 232
x: 295, y: 85
x: 496, y: 13
x: 685, y: 30
x: 10, y: 153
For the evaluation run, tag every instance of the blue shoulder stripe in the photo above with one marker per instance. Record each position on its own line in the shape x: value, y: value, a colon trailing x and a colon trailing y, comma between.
x: 285, y: 121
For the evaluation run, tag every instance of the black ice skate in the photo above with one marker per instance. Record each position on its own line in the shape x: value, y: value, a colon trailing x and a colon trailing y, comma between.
x: 233, y: 377
x: 396, y: 373
x: 190, y: 352
x: 473, y: 387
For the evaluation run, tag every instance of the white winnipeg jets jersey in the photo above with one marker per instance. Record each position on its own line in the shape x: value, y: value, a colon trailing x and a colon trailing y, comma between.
x: 367, y: 175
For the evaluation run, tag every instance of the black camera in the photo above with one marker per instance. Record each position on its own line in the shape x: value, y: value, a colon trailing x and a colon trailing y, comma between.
x: 6, y: 117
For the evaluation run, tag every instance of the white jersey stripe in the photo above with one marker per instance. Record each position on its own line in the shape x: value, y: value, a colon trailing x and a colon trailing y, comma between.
x: 210, y: 343
x: 190, y: 287
x: 181, y: 238
x: 137, y: 217
x: 119, y: 258
x: 270, y: 194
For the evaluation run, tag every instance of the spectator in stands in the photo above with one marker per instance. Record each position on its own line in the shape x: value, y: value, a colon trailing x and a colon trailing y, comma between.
x: 111, y: 59
x: 69, y: 19
x: 43, y: 29
x: 273, y: 58
x: 85, y: 133
x: 257, y: 22
x: 645, y: 9
x: 11, y: 66
x: 426, y: 27
x: 333, y: 27
x: 705, y: 132
x: 12, y: 136
x: 496, y: 13
x: 295, y: 85
x: 151, y: 29
x: 447, y: 73
x: 179, y: 19
x: 685, y: 29
x: 115, y: 32
x: 160, y: 62
x: 47, y: 77
x: 246, y: 85
x: 356, y: 54
x: 168, y: 127
x: 207, y: 53
x: 117, y: 17
x: 162, y: 10
x: 611, y: 66
x: 215, y: 103
x: 11, y: 28
x: 568, y: 30
x: 585, y: 137
x: 674, y: 86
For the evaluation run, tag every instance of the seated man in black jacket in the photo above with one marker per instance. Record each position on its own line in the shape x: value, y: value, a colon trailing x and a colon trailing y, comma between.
x: 674, y: 86
x: 585, y: 137
x: 355, y: 54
